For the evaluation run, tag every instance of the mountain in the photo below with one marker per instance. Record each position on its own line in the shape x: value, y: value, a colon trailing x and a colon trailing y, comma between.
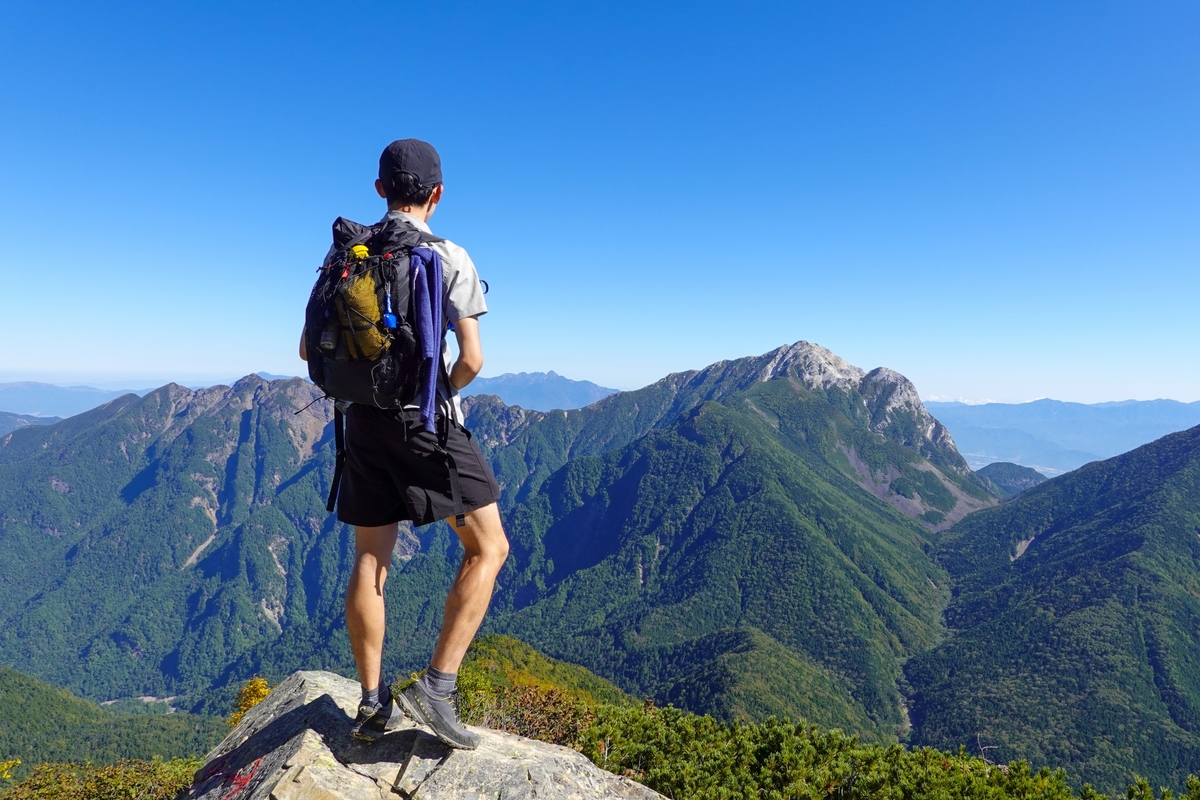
x: 151, y: 542
x: 40, y: 722
x: 777, y: 534
x: 747, y: 539
x: 10, y: 422
x: 1009, y: 478
x: 870, y: 411
x: 539, y: 391
x: 177, y: 543
x: 47, y: 400
x: 1075, y: 616
x: 1055, y: 437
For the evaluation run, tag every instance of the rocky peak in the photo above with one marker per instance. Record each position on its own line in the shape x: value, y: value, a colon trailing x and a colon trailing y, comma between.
x: 888, y: 393
x: 816, y: 366
x: 296, y: 745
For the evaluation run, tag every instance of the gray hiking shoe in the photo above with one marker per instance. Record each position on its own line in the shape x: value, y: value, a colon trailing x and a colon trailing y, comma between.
x: 440, y: 714
x: 375, y: 721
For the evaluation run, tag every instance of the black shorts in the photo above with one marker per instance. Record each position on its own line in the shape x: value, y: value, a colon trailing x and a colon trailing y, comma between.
x: 394, y: 470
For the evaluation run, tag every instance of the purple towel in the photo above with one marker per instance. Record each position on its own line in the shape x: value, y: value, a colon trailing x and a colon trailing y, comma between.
x: 425, y: 280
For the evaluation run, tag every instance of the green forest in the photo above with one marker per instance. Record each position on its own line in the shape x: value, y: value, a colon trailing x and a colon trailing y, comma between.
x: 41, y: 723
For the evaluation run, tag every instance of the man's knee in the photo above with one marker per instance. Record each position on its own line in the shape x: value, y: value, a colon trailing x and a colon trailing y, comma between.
x: 484, y: 536
x: 492, y: 548
x: 499, y: 549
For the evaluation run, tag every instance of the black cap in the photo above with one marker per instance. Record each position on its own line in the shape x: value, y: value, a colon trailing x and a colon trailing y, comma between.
x: 413, y: 156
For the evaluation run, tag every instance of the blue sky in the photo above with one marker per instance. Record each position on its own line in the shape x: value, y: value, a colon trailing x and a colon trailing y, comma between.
x: 1000, y: 200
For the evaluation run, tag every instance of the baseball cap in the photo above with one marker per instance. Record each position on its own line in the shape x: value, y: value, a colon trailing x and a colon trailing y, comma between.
x: 413, y: 156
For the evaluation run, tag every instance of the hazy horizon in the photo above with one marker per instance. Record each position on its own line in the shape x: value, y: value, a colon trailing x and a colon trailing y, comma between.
x: 143, y: 383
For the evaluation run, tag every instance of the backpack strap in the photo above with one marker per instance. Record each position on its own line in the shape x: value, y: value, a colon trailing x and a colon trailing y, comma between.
x: 427, y: 238
x: 339, y: 462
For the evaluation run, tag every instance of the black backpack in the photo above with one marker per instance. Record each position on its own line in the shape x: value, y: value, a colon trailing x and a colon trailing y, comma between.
x: 361, y: 348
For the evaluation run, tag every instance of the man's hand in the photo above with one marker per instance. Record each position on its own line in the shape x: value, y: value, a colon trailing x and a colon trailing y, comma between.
x: 470, y: 352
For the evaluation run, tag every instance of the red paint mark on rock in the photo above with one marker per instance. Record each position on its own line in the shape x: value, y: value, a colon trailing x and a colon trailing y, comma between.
x: 238, y: 782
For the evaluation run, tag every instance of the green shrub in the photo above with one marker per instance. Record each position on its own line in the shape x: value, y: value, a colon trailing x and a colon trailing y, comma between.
x: 125, y: 780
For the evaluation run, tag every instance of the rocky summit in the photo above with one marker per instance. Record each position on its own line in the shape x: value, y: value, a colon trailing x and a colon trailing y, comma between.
x: 296, y: 745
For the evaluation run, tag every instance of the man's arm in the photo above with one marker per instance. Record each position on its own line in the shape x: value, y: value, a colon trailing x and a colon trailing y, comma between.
x: 303, y: 346
x: 470, y: 352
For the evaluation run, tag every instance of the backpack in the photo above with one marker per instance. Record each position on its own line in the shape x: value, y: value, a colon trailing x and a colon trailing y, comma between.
x: 363, y: 349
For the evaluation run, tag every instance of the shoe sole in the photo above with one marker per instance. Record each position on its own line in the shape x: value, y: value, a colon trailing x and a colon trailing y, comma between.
x: 416, y: 711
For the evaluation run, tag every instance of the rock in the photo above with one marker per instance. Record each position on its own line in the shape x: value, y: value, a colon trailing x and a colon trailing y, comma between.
x: 295, y: 745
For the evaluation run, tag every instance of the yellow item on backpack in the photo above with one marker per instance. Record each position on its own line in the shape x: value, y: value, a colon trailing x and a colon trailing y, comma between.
x: 360, y: 251
x: 358, y: 311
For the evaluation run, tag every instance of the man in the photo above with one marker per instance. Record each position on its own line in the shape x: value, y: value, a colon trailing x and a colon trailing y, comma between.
x: 396, y: 470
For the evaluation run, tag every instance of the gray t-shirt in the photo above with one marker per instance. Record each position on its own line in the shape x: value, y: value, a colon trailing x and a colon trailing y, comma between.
x: 462, y: 298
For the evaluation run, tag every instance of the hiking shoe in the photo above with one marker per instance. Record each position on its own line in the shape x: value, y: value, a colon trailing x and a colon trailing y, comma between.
x: 374, y: 721
x: 440, y: 714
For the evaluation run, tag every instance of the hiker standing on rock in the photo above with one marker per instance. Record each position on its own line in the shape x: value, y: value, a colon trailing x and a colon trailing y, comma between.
x: 379, y: 321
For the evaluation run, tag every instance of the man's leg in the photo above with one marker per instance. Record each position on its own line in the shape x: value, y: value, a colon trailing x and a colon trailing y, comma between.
x: 486, y: 549
x: 364, y: 599
x: 429, y: 699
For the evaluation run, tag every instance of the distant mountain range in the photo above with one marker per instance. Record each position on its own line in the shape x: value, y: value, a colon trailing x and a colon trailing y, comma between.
x: 539, y: 391
x: 1054, y: 437
x: 673, y: 538
x: 28, y: 398
x: 178, y: 541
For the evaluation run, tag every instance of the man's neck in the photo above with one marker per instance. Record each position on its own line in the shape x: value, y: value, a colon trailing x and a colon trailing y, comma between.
x: 422, y: 213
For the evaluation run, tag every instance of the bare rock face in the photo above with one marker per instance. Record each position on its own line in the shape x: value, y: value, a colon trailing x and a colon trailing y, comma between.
x: 296, y: 745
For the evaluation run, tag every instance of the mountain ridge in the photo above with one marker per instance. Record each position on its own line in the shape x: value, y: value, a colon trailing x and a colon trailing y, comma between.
x: 889, y: 400
x: 185, y: 530
x: 10, y: 422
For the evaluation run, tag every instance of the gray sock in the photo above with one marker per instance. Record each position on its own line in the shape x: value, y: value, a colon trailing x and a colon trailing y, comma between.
x: 438, y: 683
x: 370, y: 697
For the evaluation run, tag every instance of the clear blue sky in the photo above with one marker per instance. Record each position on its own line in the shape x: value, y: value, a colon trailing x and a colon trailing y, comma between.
x: 1000, y: 200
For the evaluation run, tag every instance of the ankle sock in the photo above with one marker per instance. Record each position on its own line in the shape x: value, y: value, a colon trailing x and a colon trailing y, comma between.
x: 438, y: 683
x: 381, y: 695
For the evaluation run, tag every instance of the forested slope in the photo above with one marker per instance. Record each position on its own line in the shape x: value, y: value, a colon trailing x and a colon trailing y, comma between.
x: 40, y: 722
x: 1075, y: 619
x: 709, y: 554
x: 152, y: 541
